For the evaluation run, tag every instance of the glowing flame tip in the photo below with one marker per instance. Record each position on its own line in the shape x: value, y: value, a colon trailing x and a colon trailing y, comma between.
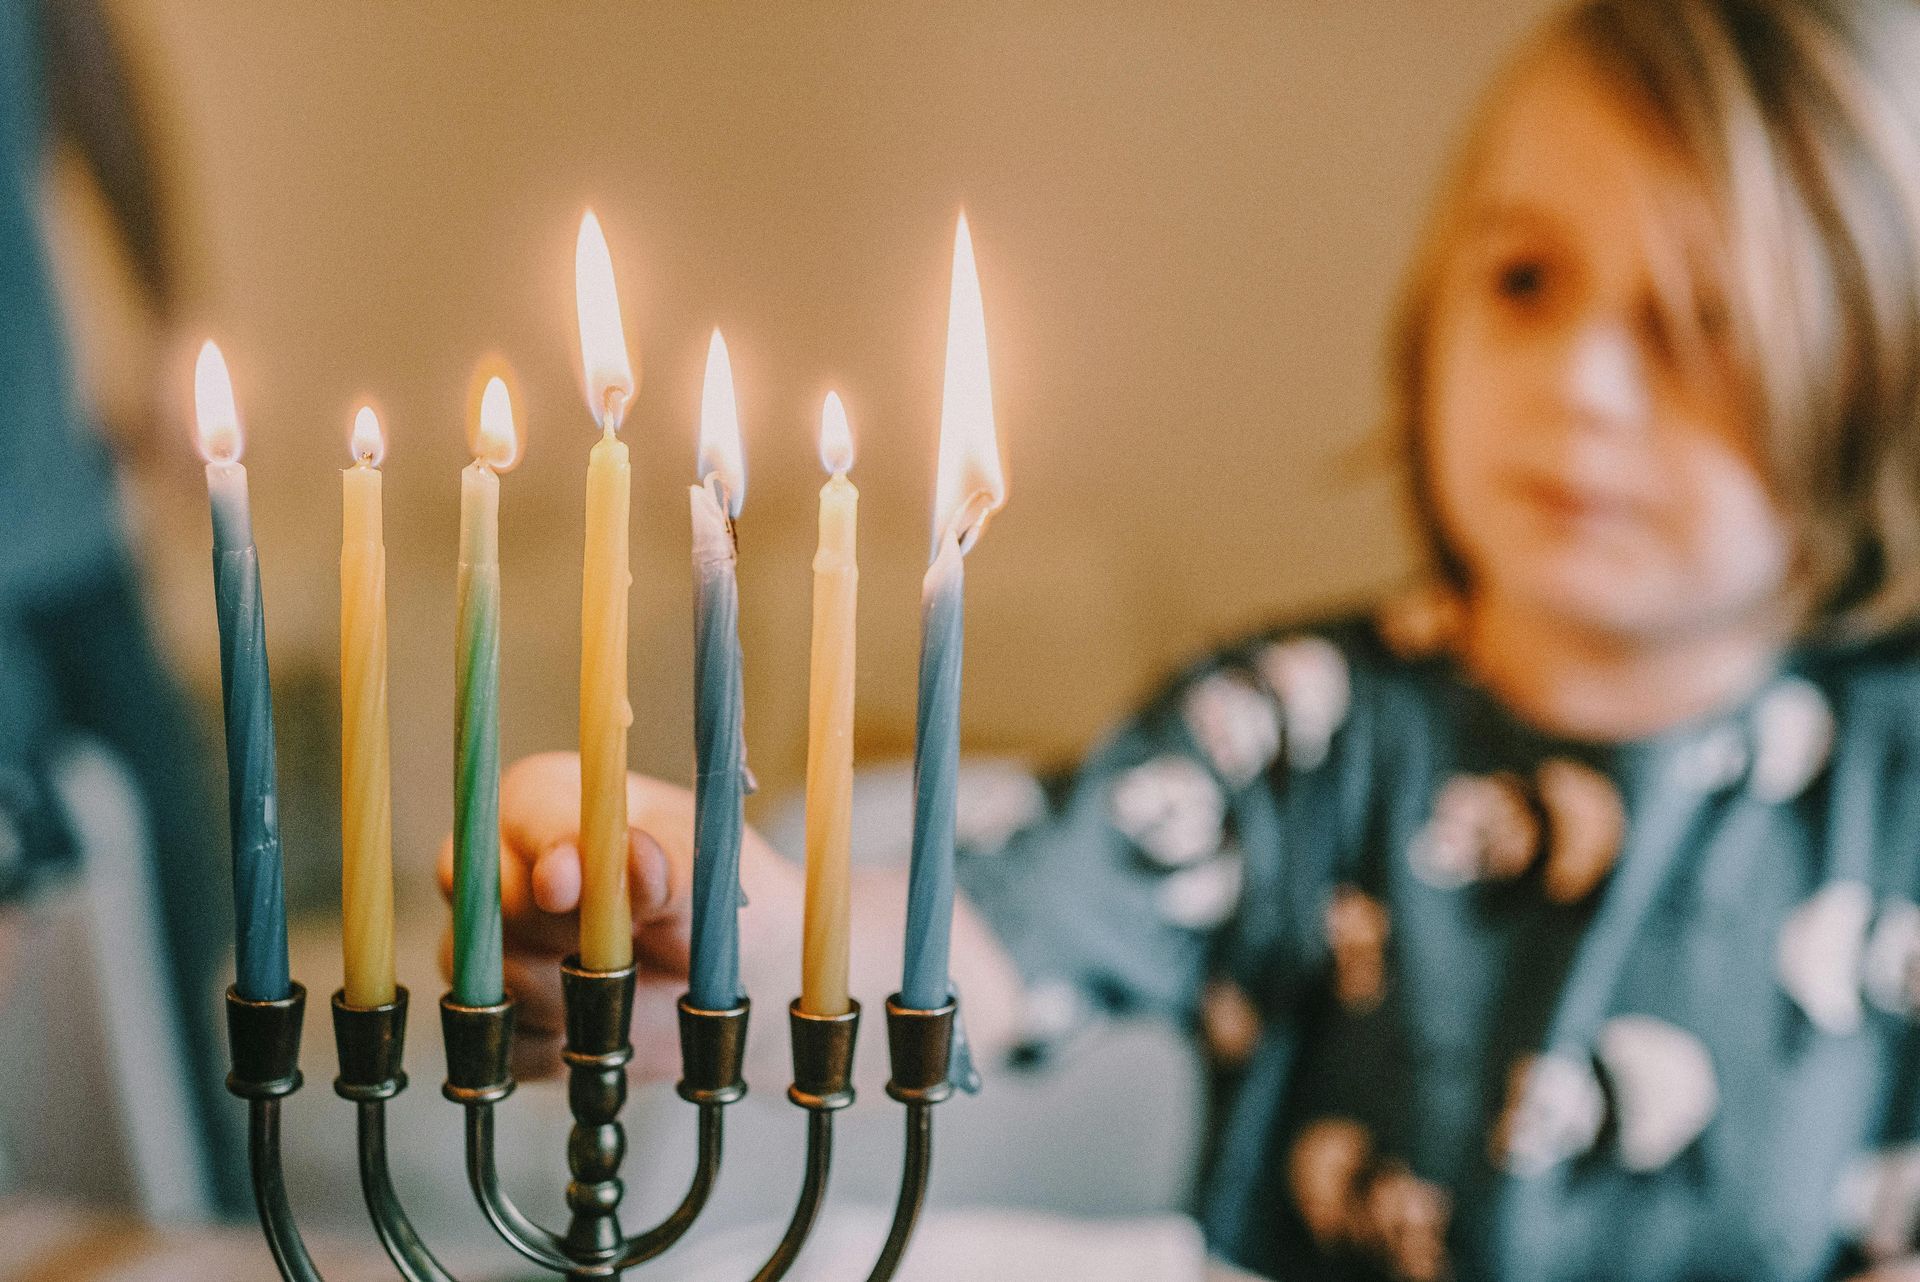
x: 971, y: 484
x: 368, y: 443
x: 720, y: 453
x: 496, y: 439
x: 604, y: 364
x: 836, y: 437
x: 217, y: 420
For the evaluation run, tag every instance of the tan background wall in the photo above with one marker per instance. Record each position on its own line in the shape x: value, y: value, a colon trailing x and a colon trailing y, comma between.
x: 1190, y: 220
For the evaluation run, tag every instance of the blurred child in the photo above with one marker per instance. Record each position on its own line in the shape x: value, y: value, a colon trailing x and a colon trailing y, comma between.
x: 1561, y: 918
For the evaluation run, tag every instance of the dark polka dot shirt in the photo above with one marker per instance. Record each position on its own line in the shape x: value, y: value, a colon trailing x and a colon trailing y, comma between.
x: 1488, y: 1004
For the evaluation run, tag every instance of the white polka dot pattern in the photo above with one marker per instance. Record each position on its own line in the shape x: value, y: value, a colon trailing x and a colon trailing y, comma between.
x: 1554, y: 1111
x: 1793, y: 737
x: 1662, y: 1082
x: 994, y: 800
x: 1877, y: 1202
x: 1309, y: 676
x: 1235, y: 724
x: 1203, y: 896
x: 1821, y: 947
x: 1170, y: 808
x: 1891, y: 969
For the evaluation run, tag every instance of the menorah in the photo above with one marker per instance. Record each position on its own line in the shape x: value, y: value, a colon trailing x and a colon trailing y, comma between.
x: 265, y: 1042
x: 264, y: 1026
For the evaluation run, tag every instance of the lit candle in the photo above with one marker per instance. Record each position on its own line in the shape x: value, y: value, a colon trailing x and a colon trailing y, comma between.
x: 259, y: 895
x: 836, y: 583
x: 606, y: 923
x: 366, y: 780
x: 719, y: 784
x: 476, y: 712
x: 970, y: 487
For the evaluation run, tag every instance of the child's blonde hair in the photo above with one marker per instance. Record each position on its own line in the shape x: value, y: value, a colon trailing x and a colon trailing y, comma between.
x: 1802, y: 118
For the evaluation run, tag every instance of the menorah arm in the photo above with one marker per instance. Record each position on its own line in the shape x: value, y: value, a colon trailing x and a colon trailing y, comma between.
x: 913, y: 1191
x: 813, y: 1190
x: 645, y: 1246
x: 920, y: 1045
x: 712, y: 1045
x: 264, y: 1038
x: 404, y: 1247
x: 477, y: 1040
x: 371, y: 1041
x: 270, y: 1193
x: 823, y: 1085
x: 535, y: 1243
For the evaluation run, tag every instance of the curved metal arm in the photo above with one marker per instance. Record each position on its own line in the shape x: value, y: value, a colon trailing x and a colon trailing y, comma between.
x: 515, y: 1229
x: 270, y: 1193
x: 812, y: 1191
x: 913, y: 1189
x: 404, y: 1247
x: 645, y: 1246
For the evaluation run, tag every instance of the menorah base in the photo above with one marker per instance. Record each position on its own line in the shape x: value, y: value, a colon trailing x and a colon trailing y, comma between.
x: 370, y: 1041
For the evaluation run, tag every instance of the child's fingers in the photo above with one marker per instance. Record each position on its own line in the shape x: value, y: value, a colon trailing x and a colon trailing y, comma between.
x: 556, y: 879
x: 547, y: 918
x: 516, y: 885
x: 540, y: 803
x: 443, y: 866
x: 649, y: 879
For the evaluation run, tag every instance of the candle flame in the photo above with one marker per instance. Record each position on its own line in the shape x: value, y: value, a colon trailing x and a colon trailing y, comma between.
x: 971, y: 484
x: 217, y: 419
x: 720, y: 453
x: 836, y: 438
x: 603, y: 341
x: 492, y: 434
x: 368, y: 444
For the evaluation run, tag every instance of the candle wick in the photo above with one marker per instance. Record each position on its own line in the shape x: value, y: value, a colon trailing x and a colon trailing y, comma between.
x: 612, y: 409
x: 971, y: 520
x: 716, y: 488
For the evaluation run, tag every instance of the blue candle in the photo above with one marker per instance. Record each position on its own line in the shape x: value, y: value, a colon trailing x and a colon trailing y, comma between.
x: 259, y: 894
x: 970, y: 487
x: 720, y: 774
x: 936, y: 770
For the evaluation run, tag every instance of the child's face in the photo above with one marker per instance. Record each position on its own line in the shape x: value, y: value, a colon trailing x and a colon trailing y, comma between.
x: 1586, y: 461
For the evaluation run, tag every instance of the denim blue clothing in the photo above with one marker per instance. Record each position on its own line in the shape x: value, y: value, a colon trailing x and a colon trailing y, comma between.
x: 75, y: 655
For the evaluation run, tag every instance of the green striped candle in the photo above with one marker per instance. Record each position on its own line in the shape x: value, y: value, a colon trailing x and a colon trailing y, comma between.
x: 476, y: 783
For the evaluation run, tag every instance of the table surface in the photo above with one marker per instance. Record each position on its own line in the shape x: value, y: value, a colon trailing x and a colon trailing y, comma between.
x: 48, y: 1242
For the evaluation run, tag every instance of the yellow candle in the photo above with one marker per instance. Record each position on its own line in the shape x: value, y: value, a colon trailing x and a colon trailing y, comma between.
x: 836, y: 580
x: 606, y: 923
x: 606, y: 930
x: 366, y: 786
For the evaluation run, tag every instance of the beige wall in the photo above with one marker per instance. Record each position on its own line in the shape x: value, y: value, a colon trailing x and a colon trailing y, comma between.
x: 1189, y: 219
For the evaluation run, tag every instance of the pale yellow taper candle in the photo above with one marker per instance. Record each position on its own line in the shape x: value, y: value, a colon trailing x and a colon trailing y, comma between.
x: 836, y: 582
x: 606, y: 921
x: 366, y: 784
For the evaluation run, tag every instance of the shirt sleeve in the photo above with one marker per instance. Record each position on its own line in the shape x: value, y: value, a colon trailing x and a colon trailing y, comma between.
x: 1124, y: 884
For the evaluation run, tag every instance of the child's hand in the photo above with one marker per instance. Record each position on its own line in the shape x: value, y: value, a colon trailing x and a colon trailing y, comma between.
x: 540, y: 899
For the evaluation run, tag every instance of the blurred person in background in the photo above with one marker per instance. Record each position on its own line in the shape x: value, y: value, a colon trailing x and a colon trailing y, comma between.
x: 1561, y: 921
x: 79, y: 677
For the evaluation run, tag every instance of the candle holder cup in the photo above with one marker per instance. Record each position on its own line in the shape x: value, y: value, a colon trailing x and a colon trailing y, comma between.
x: 370, y: 1043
